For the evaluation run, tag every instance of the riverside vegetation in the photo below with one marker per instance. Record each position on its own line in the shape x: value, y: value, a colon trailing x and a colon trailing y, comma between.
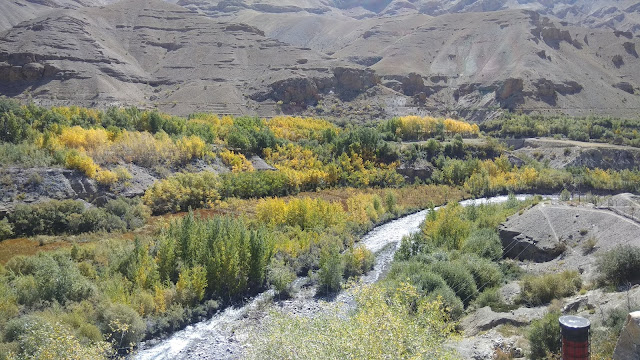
x: 148, y: 272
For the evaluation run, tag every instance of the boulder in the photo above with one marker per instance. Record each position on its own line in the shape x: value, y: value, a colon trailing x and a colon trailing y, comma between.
x: 529, y: 237
x: 261, y: 165
x: 295, y: 90
x: 413, y: 84
x: 628, y: 346
x: 617, y: 61
x: 419, y: 169
x: 624, y: 86
x: 484, y: 319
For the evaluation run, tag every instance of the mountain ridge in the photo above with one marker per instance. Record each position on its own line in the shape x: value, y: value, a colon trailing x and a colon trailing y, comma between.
x: 254, y: 57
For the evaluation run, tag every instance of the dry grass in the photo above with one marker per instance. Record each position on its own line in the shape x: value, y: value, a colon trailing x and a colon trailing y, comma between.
x: 24, y: 246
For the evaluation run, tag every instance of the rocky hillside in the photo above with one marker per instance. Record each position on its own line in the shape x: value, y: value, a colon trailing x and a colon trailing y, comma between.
x: 331, y: 58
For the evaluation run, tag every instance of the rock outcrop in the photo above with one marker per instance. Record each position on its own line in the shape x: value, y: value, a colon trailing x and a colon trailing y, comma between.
x: 553, y: 235
x: 41, y: 184
x: 416, y: 170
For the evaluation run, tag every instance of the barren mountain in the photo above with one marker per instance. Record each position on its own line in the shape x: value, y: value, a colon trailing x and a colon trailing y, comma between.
x: 13, y: 12
x: 139, y: 52
x: 370, y: 58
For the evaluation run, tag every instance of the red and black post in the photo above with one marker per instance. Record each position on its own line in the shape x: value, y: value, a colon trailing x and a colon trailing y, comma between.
x: 575, y: 337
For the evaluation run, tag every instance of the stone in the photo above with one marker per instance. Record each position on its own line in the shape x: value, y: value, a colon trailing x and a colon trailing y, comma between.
x: 484, y: 319
x: 628, y: 346
x: 624, y: 86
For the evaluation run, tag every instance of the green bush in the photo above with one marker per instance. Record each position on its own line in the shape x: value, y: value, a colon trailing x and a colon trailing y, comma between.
x: 620, y: 265
x: 491, y: 297
x: 256, y: 184
x: 94, y: 219
x: 418, y: 274
x: 6, y: 229
x: 452, y: 303
x: 14, y: 128
x: 26, y: 289
x: 357, y: 261
x: 25, y: 155
x: 544, y: 336
x: 132, y: 211
x: 57, y: 278
x: 123, y: 326
x: 280, y: 276
x: 39, y: 338
x: 70, y: 216
x: 485, y: 273
x: 48, y: 218
x: 458, y: 278
x: 21, y: 265
x: 538, y: 290
x: 331, y: 270
x: 485, y: 243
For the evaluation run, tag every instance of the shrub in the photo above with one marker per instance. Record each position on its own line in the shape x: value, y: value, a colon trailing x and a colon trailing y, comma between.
x: 417, y: 274
x: 485, y: 273
x: 280, y: 276
x: 305, y: 212
x: 331, y: 270
x: 26, y: 290
x: 81, y: 162
x: 589, y: 245
x: 447, y: 228
x: 95, y: 219
x: 412, y: 328
x: 485, y: 243
x: 132, y: 211
x: 14, y: 129
x: 183, y: 191
x: 106, y: 177
x: 8, y: 302
x: 451, y: 302
x: 620, y: 265
x: 237, y: 162
x: 257, y: 184
x: 57, y: 278
x: 25, y: 155
x: 357, y: 261
x: 491, y: 297
x: 544, y: 336
x: 123, y: 326
x: 21, y: 265
x: 458, y: 278
x: 122, y: 174
x: 538, y: 290
x: 6, y: 229
x: 41, y: 339
x: 48, y: 218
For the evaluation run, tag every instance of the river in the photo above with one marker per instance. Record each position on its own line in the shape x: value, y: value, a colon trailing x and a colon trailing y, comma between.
x: 214, y: 338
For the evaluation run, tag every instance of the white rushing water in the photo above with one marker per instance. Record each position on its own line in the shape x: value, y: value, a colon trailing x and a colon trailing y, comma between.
x: 376, y: 240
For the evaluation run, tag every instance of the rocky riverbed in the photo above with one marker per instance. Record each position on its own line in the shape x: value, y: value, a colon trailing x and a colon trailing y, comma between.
x: 222, y: 336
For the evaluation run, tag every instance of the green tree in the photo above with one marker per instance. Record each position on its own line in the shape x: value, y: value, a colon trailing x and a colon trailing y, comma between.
x: 331, y: 269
